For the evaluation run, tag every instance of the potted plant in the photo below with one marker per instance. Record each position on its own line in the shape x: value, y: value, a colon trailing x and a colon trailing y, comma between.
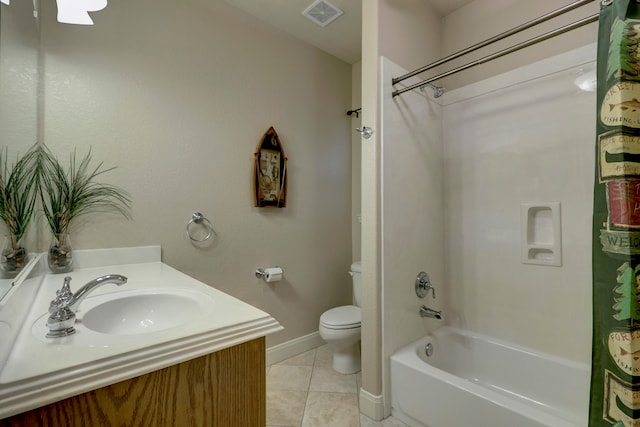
x: 17, y: 204
x: 68, y: 194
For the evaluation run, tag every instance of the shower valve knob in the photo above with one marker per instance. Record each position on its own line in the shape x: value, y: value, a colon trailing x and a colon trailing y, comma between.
x: 423, y: 285
x: 366, y: 132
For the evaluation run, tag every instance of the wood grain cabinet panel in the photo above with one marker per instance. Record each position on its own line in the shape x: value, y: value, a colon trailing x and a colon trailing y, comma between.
x: 222, y: 389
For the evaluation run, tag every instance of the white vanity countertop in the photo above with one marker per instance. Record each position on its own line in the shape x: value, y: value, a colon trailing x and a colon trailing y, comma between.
x: 41, y: 370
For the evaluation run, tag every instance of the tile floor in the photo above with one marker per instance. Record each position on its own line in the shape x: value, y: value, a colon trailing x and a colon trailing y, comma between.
x: 305, y: 391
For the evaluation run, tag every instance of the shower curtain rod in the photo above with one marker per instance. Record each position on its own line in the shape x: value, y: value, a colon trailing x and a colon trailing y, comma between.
x: 516, y: 47
x: 494, y: 39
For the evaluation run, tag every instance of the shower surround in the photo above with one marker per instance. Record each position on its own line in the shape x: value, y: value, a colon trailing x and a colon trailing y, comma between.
x: 463, y: 165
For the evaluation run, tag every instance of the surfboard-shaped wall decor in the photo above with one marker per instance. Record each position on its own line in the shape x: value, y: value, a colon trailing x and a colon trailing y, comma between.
x: 270, y: 172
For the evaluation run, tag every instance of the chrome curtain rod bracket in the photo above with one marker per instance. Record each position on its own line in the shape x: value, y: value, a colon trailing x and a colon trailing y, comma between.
x: 494, y: 39
x: 530, y: 42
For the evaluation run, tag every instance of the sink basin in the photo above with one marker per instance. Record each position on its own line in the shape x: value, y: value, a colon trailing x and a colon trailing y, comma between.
x: 118, y: 317
x: 140, y: 313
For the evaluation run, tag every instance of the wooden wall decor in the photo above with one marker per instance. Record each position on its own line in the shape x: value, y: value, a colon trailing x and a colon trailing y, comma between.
x: 270, y: 172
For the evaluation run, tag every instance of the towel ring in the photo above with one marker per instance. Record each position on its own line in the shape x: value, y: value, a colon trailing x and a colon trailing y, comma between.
x: 198, y: 218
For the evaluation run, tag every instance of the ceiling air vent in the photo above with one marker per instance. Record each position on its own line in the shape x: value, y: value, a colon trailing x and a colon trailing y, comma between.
x: 322, y: 12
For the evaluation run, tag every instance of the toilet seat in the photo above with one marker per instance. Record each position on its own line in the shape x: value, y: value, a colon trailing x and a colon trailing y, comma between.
x: 344, y: 317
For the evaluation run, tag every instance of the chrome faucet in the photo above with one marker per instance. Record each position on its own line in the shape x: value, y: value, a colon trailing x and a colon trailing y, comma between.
x: 82, y: 293
x: 62, y: 310
x: 430, y: 312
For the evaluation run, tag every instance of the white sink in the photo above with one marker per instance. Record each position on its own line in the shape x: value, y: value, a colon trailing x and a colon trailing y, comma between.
x: 141, y: 313
x: 110, y: 317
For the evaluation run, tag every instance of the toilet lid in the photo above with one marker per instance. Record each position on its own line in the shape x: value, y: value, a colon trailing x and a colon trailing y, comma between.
x: 345, y: 317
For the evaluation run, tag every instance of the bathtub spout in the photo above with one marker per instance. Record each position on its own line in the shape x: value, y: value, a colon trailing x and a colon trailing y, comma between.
x: 431, y: 313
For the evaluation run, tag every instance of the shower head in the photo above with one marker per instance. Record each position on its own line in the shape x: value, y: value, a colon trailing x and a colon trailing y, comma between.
x: 438, y: 91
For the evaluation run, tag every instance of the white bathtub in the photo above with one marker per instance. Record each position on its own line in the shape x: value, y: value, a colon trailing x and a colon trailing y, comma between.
x: 476, y: 380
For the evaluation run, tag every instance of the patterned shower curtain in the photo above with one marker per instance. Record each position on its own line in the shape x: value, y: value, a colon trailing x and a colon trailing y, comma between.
x: 615, y: 375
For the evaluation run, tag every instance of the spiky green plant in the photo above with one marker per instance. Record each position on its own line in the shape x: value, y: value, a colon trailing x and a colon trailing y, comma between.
x: 18, y: 193
x: 68, y: 194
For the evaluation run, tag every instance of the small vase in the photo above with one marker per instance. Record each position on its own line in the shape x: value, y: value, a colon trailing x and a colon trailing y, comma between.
x: 60, y: 257
x: 13, y: 257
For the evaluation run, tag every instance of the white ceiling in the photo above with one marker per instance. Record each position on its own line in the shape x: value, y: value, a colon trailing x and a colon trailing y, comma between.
x: 341, y: 38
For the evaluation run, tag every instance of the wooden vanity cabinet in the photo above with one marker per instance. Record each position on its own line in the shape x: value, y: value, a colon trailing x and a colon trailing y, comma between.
x: 223, y: 389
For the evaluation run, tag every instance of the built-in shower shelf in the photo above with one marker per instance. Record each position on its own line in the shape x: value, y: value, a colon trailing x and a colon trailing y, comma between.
x: 541, y: 234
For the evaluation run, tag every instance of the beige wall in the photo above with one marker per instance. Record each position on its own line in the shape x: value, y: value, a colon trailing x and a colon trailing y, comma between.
x: 409, y: 32
x: 177, y: 97
x: 371, y: 390
x: 18, y: 76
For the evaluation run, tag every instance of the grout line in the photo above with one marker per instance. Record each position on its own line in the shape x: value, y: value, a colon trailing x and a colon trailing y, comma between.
x: 306, y: 400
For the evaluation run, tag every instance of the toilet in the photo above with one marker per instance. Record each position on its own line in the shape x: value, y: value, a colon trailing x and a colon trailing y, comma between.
x: 340, y: 328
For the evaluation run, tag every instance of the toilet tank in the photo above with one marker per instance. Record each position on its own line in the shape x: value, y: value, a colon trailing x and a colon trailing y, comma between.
x: 356, y: 269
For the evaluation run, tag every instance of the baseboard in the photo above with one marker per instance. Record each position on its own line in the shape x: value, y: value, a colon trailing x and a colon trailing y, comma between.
x: 372, y: 406
x: 291, y: 348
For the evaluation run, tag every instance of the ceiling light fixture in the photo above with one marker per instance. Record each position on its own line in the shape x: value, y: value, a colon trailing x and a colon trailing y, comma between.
x: 77, y: 11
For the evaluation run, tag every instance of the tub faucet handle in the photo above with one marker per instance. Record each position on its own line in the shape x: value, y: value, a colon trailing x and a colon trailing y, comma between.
x: 423, y: 285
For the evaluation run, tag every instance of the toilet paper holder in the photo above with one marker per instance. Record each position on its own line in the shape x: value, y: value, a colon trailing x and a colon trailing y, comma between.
x: 264, y: 273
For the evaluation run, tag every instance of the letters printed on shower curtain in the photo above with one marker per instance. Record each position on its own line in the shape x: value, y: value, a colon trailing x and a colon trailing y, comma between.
x: 615, y: 374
